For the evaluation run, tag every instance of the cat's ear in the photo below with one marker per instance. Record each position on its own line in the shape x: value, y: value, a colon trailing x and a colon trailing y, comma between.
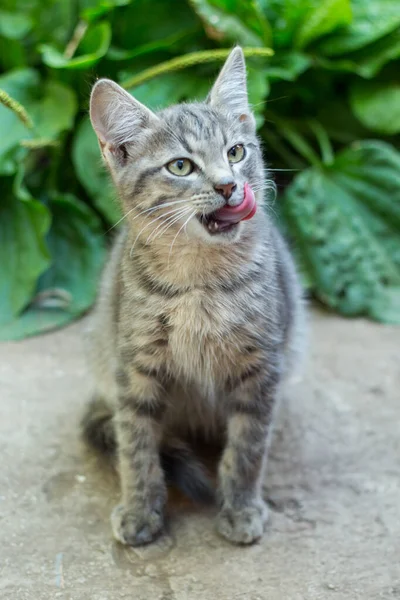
x: 117, y: 117
x: 229, y: 92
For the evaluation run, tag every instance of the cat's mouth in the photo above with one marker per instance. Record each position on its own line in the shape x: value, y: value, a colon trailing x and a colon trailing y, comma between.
x: 228, y: 217
x: 215, y: 225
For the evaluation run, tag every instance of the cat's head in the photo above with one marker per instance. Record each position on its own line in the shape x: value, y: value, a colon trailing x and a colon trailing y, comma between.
x: 175, y: 170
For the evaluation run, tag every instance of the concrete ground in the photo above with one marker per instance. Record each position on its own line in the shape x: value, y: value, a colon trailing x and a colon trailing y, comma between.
x: 333, y: 485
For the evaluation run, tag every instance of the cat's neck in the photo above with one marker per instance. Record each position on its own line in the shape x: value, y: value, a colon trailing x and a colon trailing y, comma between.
x: 194, y: 263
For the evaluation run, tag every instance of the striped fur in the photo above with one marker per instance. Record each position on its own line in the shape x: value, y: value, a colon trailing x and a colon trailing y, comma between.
x: 193, y: 332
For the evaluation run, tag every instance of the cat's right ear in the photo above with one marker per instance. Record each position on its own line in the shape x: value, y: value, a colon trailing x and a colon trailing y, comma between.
x: 117, y: 118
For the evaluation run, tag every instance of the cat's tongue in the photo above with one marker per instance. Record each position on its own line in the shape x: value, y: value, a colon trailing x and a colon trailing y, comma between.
x: 242, y: 212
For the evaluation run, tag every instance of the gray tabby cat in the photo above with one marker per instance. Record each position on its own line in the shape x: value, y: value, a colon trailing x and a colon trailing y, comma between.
x: 199, y: 311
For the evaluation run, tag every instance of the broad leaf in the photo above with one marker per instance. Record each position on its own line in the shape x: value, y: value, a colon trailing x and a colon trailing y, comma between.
x: 92, y: 173
x: 77, y: 248
x: 296, y: 24
x: 372, y: 20
x: 93, y: 9
x: 322, y: 17
x: 44, y: 22
x: 346, y: 220
x: 68, y: 288
x: 23, y: 225
x: 55, y: 111
x: 287, y: 65
x: 377, y: 105
x: 13, y: 25
x: 223, y: 24
x: 151, y: 21
x: 368, y: 61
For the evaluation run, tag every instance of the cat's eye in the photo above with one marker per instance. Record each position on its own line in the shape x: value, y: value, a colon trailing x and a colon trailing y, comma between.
x: 180, y: 167
x: 236, y: 153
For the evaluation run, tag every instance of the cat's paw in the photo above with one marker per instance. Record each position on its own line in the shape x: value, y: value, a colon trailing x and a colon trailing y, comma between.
x: 245, y: 525
x: 135, y: 527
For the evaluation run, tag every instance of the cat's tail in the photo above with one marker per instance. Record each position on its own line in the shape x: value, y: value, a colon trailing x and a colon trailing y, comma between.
x: 178, y: 461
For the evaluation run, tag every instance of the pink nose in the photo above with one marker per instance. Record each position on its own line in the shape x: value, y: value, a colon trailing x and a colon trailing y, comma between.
x: 226, y: 189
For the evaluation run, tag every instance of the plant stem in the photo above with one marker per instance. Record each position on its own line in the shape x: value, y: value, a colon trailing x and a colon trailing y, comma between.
x: 17, y: 109
x: 188, y: 60
x: 323, y: 141
x: 77, y: 36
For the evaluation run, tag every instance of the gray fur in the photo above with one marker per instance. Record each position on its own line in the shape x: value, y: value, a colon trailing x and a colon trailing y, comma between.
x: 193, y: 332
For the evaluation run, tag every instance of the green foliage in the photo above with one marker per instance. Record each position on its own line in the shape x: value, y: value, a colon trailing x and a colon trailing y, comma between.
x: 330, y: 86
x: 346, y: 217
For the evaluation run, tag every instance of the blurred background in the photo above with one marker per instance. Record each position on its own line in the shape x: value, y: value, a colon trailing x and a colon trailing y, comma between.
x: 324, y: 85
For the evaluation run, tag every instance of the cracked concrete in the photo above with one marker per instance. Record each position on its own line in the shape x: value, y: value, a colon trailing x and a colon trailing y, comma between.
x: 333, y: 485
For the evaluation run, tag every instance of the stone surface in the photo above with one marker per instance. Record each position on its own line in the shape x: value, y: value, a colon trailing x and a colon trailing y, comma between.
x: 333, y: 486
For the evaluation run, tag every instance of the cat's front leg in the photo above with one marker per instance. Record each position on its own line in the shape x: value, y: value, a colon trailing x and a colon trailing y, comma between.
x: 243, y: 513
x: 139, y: 518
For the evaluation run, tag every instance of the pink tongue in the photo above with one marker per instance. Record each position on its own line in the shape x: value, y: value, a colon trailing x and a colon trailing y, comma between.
x: 244, y: 211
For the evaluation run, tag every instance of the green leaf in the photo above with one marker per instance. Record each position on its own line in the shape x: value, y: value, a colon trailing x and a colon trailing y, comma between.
x: 91, y: 49
x: 22, y: 85
x: 68, y: 288
x: 52, y: 107
x: 77, y: 248
x: 223, y: 24
x: 377, y: 105
x: 151, y: 21
x: 166, y: 43
x: 287, y: 65
x: 56, y: 110
x: 296, y: 24
x: 368, y: 61
x: 250, y: 14
x: 322, y: 18
x: 346, y: 220
x: 92, y: 173
x: 52, y: 20
x: 23, y: 225
x: 14, y: 25
x: 371, y: 21
x: 93, y: 9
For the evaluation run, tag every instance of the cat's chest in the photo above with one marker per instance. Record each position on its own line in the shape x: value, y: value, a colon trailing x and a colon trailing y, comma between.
x: 203, y: 336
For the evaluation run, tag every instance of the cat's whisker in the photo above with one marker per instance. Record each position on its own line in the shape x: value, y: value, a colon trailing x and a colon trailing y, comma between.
x: 178, y: 215
x: 184, y: 225
x: 147, y: 210
x: 148, y: 225
x: 170, y: 224
x: 120, y: 220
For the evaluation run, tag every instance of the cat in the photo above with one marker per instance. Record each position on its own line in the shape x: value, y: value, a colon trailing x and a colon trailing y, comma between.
x: 199, y: 316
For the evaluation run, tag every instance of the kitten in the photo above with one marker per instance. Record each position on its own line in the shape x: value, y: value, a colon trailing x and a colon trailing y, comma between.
x: 199, y: 310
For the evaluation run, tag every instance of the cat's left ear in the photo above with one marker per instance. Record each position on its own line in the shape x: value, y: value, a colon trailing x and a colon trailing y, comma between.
x: 229, y: 92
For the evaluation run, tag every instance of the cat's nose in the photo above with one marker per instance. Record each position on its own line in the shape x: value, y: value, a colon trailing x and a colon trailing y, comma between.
x: 225, y: 188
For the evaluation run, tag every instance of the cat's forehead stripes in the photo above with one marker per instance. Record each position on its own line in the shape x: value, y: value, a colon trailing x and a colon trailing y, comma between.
x: 196, y: 125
